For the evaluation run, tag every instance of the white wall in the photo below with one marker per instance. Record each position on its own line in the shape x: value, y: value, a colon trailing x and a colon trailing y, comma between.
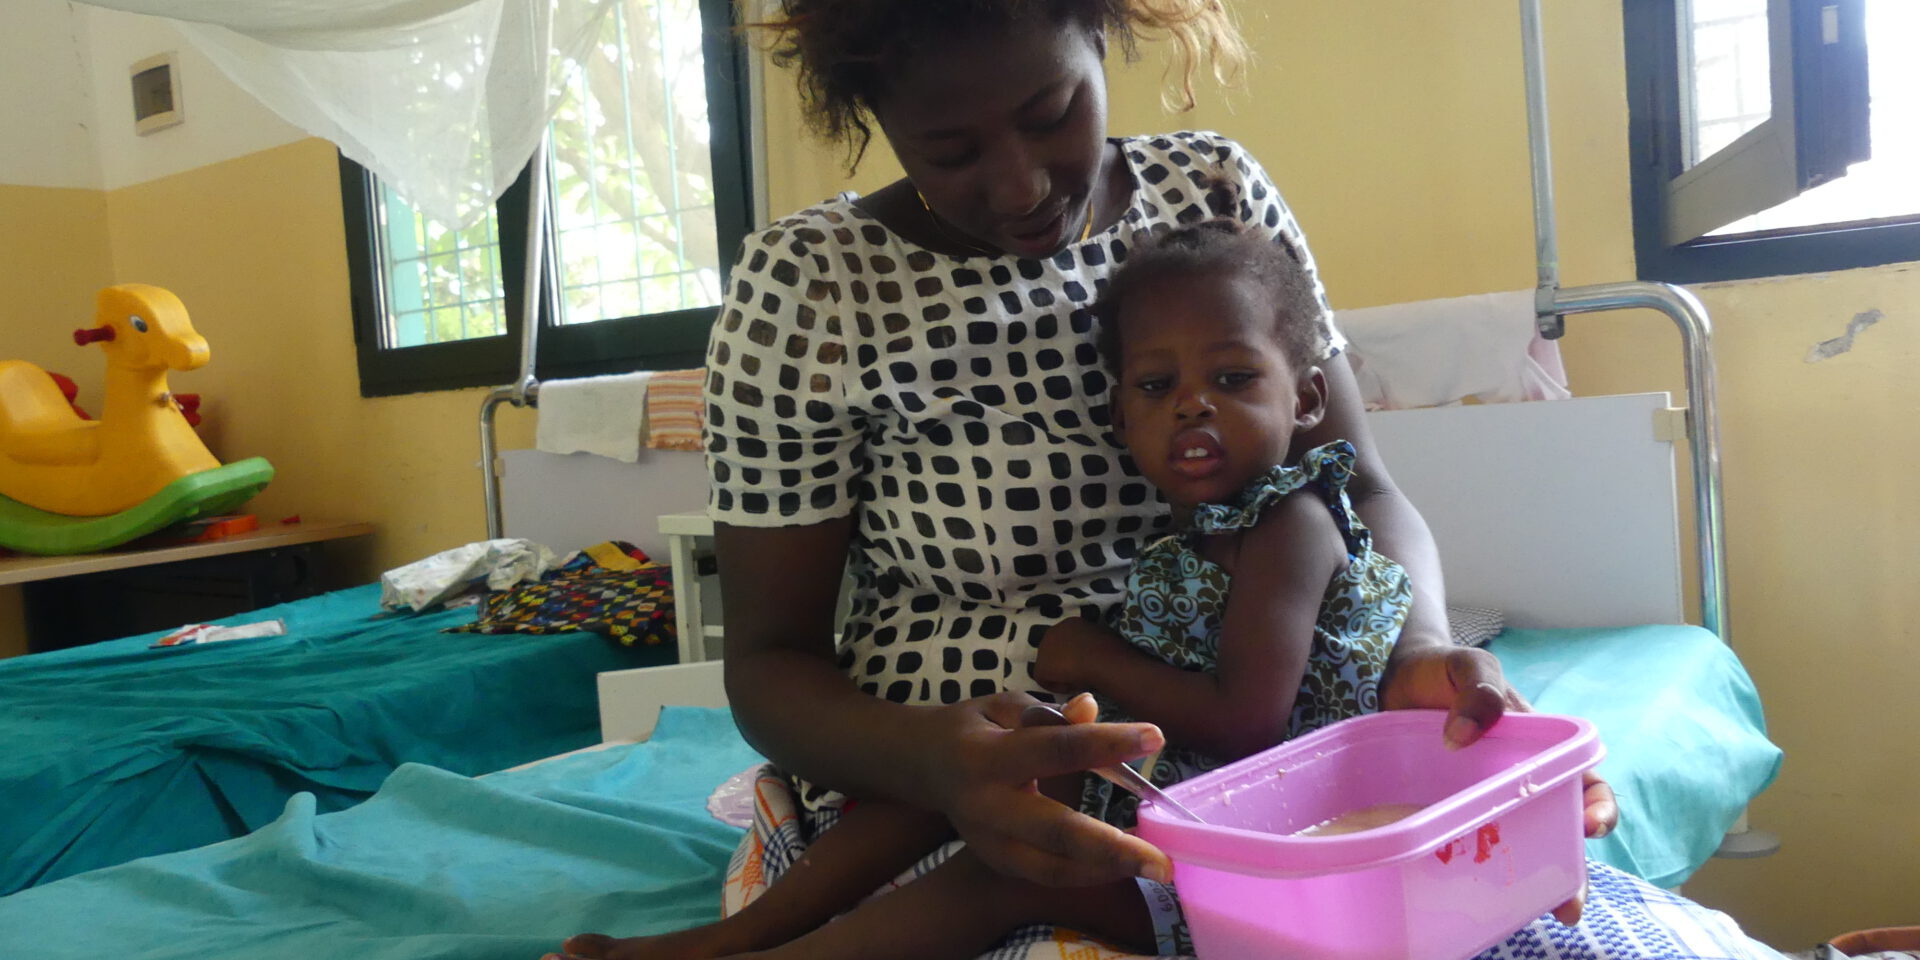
x: 46, y: 135
x: 222, y: 121
x: 68, y: 119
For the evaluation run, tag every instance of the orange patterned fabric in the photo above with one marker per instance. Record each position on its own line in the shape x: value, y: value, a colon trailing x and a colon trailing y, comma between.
x: 777, y: 841
x: 675, y: 409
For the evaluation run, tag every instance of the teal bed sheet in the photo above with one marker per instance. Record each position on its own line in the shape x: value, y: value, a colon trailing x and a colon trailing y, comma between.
x: 115, y: 751
x: 433, y: 866
x: 1687, y: 746
x: 619, y: 840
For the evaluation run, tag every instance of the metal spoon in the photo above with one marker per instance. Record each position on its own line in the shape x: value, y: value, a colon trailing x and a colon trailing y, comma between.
x: 1120, y: 775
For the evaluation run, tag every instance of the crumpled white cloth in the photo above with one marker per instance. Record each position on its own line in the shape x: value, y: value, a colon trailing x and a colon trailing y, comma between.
x: 498, y: 564
x: 1437, y: 352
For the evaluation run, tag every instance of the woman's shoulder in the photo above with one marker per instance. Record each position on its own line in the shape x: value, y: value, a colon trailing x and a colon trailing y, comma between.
x: 1193, y: 174
x: 1207, y: 150
x: 835, y: 221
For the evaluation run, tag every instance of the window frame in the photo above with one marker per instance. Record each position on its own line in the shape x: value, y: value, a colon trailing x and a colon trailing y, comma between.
x: 1656, y: 143
x: 657, y: 341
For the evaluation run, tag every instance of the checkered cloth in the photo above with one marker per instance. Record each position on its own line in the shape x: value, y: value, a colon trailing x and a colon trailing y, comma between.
x: 1474, y: 626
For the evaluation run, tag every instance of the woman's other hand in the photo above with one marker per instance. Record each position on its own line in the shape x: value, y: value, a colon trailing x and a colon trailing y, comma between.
x: 1464, y: 681
x: 988, y: 789
x: 1467, y: 682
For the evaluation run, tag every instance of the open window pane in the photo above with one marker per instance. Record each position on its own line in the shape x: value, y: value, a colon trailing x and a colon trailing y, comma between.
x: 1742, y: 152
x: 1888, y: 184
x: 440, y: 285
x: 1725, y: 78
x: 634, y: 213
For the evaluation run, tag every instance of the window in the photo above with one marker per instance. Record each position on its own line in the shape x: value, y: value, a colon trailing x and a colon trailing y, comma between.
x: 649, y: 188
x: 1772, y: 136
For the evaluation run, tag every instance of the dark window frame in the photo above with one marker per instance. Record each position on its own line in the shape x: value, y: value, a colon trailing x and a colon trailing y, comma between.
x: 1655, y: 141
x: 659, y: 341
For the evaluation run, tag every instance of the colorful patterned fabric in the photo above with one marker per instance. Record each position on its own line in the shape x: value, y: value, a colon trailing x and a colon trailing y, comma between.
x: 1177, y: 600
x: 631, y: 606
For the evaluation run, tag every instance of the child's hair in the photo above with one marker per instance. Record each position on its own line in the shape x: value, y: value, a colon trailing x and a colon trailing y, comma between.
x: 1221, y: 245
x: 847, y: 49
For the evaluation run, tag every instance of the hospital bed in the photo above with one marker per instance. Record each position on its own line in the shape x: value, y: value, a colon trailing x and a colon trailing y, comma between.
x: 620, y: 837
x: 1563, y: 517
x: 116, y: 750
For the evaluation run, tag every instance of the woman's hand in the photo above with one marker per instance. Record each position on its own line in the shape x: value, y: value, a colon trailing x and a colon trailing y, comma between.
x: 1467, y: 682
x: 986, y: 786
x: 1440, y: 675
x: 1068, y: 652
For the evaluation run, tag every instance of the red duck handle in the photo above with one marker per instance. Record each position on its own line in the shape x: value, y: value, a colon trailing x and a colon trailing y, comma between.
x: 86, y: 335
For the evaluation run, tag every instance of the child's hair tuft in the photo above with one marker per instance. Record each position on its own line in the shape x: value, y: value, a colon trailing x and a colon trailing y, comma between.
x: 1221, y: 245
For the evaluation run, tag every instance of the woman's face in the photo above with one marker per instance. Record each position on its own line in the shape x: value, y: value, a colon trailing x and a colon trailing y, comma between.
x: 1003, y: 132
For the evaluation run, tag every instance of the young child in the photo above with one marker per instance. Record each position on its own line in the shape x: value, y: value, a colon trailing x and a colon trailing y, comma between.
x: 1265, y: 615
x: 1209, y: 332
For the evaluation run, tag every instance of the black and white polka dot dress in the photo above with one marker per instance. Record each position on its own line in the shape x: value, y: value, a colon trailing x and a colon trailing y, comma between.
x: 958, y: 407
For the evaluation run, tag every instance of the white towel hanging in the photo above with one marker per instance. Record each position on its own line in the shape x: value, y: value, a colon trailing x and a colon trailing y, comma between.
x: 598, y: 415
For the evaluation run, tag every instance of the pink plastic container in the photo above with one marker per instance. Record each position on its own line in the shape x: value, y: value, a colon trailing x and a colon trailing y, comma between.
x: 1497, y: 842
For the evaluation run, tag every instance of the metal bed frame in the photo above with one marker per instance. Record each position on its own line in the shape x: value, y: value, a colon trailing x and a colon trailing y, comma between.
x: 1553, y: 303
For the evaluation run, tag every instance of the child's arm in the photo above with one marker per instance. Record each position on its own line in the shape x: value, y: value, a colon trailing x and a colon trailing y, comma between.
x: 1281, y: 570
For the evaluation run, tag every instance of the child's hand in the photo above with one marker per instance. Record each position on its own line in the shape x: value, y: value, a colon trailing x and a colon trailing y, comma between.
x: 1067, y: 654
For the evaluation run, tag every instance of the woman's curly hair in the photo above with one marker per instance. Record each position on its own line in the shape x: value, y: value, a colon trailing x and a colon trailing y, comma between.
x: 846, y: 49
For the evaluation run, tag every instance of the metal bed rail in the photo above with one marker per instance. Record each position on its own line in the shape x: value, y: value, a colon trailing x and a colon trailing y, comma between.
x: 1553, y: 303
x: 525, y: 390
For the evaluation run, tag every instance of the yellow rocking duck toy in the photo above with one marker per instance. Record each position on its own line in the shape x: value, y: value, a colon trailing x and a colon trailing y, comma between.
x: 71, y: 485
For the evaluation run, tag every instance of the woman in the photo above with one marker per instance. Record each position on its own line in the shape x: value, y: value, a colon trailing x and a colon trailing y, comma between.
x: 907, y: 383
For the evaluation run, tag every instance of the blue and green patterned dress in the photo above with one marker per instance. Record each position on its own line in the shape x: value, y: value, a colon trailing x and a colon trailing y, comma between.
x: 1177, y: 599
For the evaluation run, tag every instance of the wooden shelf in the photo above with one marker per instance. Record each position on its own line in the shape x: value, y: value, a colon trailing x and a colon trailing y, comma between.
x: 25, y: 569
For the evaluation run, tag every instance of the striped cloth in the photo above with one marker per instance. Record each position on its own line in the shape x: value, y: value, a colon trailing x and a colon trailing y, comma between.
x: 675, y: 409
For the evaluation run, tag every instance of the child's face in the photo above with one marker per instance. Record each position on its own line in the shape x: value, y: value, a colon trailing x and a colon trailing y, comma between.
x: 1207, y: 397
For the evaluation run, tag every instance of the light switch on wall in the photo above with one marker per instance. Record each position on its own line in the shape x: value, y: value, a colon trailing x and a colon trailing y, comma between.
x: 156, y: 94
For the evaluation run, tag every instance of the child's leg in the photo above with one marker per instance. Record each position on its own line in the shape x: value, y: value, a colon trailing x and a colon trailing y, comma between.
x: 962, y: 908
x: 872, y: 844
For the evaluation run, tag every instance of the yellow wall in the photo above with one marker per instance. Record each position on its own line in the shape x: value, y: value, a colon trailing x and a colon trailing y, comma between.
x: 53, y: 258
x: 255, y: 248
x: 1400, y: 139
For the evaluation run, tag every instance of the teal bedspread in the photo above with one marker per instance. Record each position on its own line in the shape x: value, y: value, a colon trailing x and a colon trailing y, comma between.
x: 1686, y: 743
x: 441, y: 866
x: 114, y: 751
x: 434, y: 866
